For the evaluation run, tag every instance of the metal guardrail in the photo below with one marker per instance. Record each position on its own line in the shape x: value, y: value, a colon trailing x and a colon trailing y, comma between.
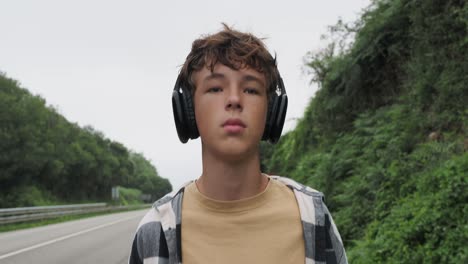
x: 42, y: 209
x: 24, y: 214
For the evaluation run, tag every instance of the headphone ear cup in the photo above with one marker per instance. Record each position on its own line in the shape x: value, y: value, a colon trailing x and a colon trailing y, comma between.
x: 280, y: 116
x: 178, y: 109
x: 272, y: 106
x: 192, y: 128
x: 266, y: 131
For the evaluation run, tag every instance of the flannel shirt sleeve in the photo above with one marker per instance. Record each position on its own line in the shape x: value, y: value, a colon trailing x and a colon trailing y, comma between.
x: 335, y: 252
x: 134, y: 256
x: 149, y: 244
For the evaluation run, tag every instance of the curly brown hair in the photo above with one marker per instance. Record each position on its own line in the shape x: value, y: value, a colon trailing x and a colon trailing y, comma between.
x: 234, y: 49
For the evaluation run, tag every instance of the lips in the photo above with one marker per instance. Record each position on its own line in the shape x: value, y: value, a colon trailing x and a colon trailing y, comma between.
x: 234, y: 122
x: 234, y: 126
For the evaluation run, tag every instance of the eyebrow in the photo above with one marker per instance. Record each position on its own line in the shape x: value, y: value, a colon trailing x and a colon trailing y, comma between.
x: 249, y: 78
x: 246, y: 78
x: 214, y: 75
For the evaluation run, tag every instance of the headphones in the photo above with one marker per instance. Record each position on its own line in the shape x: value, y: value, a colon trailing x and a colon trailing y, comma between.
x: 186, y: 125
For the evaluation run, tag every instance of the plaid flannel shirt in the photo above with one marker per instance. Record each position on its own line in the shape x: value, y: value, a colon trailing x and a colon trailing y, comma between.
x: 158, y: 237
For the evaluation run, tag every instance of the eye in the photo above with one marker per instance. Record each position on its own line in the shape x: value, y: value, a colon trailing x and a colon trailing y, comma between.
x: 214, y: 90
x: 251, y: 91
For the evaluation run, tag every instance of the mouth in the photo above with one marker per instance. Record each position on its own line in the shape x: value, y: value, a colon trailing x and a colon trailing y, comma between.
x: 234, y: 126
x: 234, y: 122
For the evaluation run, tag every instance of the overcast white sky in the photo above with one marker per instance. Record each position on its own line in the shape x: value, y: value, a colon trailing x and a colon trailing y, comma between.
x: 112, y: 64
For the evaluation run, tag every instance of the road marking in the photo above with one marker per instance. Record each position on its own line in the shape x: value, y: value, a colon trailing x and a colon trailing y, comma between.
x: 63, y: 238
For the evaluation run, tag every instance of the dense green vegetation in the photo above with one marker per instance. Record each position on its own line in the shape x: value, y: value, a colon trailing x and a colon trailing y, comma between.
x: 45, y: 159
x: 386, y: 136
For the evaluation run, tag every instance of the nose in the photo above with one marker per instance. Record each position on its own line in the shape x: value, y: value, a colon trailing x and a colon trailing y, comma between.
x: 233, y: 101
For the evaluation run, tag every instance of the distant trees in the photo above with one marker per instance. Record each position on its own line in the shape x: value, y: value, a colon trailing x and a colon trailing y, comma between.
x: 144, y: 180
x: 46, y: 159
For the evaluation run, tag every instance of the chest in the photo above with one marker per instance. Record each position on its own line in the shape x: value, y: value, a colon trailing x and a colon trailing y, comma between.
x: 271, y: 233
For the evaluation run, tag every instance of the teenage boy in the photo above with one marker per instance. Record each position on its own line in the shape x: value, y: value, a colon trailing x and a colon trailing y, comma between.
x: 229, y: 92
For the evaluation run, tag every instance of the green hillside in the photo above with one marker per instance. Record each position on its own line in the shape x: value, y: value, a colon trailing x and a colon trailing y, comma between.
x: 45, y: 159
x: 386, y: 136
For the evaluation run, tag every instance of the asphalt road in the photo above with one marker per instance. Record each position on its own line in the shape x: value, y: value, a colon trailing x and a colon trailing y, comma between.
x: 100, y: 239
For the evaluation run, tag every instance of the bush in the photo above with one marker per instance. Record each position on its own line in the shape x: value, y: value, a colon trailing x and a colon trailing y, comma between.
x: 129, y: 196
x: 25, y: 196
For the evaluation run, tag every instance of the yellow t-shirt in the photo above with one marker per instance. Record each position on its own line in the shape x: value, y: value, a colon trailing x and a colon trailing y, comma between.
x: 265, y: 228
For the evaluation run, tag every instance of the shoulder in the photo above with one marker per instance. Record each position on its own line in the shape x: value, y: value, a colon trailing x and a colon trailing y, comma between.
x: 160, y: 207
x: 150, y: 240
x: 318, y: 222
x: 299, y: 188
x: 311, y: 203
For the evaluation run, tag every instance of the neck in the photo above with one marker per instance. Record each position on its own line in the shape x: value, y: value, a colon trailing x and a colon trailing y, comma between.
x: 231, y: 180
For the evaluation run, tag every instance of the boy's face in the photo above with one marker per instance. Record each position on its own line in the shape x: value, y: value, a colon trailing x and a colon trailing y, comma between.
x: 230, y: 109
